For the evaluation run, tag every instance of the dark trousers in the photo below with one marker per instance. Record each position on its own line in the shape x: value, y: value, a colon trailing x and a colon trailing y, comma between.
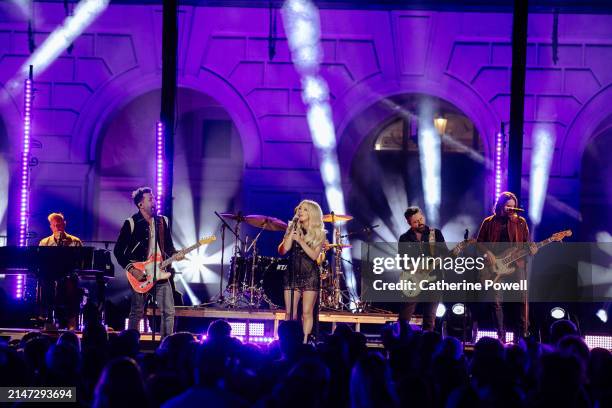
x: 429, y: 313
x: 512, y: 315
x: 165, y: 300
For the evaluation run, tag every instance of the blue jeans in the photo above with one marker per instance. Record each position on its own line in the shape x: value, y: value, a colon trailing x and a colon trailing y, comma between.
x: 165, y: 301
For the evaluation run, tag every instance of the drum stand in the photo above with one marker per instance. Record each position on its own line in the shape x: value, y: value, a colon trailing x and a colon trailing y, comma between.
x: 243, y: 290
x: 231, y: 296
x: 336, y: 298
x: 256, y: 292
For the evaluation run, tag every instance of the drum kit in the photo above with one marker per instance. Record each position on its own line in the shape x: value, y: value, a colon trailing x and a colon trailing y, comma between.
x: 256, y: 281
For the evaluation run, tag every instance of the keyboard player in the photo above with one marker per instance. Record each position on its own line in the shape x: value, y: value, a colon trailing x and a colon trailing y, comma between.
x: 63, y: 295
x: 59, y: 236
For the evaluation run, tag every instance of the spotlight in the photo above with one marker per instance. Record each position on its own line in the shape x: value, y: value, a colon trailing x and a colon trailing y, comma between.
x: 441, y: 310
x: 602, y: 315
x: 430, y: 161
x: 557, y: 313
x: 543, y: 151
x: 458, y: 308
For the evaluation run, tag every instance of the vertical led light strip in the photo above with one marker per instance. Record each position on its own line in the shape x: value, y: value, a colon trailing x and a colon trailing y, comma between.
x: 160, y: 167
x: 24, y: 200
x: 498, y: 159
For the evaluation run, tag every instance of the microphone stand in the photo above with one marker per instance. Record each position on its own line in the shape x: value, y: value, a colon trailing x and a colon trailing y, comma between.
x: 221, y: 297
x: 156, y: 239
x: 224, y: 226
x: 294, y: 247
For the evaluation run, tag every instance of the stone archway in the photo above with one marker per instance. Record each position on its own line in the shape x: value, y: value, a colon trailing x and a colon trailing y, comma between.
x: 385, y: 175
x: 595, y: 188
x: 126, y: 86
x: 208, y: 157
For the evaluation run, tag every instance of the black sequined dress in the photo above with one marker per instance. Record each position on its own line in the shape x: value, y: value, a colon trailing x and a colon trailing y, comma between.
x: 305, y: 270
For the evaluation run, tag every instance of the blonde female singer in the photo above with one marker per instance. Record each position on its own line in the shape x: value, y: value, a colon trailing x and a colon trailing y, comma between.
x: 305, y: 237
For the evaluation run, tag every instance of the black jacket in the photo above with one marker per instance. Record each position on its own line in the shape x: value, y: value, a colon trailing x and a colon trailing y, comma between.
x: 134, y: 245
x: 410, y: 236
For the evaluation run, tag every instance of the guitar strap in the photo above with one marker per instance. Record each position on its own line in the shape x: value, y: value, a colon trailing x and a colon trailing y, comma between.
x: 162, y: 233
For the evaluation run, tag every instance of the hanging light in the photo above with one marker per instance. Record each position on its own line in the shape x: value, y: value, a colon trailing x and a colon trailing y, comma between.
x: 440, y: 123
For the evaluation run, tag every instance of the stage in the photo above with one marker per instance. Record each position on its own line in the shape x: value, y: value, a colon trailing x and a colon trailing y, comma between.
x: 278, y: 315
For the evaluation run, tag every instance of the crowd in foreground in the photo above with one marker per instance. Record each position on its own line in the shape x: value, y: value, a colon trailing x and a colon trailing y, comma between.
x: 414, y: 369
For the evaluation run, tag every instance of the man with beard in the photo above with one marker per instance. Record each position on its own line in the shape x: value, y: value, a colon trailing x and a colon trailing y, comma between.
x: 422, y: 233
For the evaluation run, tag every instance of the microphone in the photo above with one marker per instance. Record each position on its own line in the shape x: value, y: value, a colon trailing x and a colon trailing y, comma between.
x: 294, y: 222
x: 515, y: 209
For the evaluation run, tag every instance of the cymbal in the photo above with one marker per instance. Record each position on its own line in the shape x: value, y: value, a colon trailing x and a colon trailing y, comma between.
x: 330, y: 246
x: 232, y: 216
x: 266, y: 222
x: 336, y: 217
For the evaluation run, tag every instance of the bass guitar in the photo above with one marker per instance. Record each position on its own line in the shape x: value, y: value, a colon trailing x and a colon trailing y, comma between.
x: 503, y: 265
x: 145, y: 268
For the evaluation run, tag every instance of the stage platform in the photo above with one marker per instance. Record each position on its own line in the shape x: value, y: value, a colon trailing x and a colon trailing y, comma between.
x: 325, y: 316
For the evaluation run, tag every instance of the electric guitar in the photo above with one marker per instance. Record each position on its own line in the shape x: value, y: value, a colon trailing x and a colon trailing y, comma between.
x: 503, y: 263
x: 424, y: 273
x: 146, y: 268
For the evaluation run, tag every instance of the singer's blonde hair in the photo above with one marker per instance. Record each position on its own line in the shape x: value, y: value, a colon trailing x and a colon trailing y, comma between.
x: 315, y: 232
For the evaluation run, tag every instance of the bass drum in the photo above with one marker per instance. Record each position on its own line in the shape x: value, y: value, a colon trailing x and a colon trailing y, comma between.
x: 242, y: 269
x: 272, y: 278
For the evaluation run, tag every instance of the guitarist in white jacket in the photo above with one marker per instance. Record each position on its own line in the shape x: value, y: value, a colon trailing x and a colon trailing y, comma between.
x: 136, y: 242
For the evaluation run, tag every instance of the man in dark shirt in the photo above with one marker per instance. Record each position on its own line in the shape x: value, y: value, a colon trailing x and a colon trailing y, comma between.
x: 420, y: 232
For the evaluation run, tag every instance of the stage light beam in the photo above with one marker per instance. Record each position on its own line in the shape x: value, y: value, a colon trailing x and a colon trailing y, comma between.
x: 543, y: 151
x: 430, y: 160
x: 83, y: 16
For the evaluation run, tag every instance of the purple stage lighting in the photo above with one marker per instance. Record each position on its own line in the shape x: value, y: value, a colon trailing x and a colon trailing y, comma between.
x: 498, y: 159
x: 24, y: 202
x: 600, y: 341
x: 25, y: 156
x: 159, y: 173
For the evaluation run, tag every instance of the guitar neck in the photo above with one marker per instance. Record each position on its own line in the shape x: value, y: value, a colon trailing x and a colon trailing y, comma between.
x: 524, y: 252
x: 181, y: 252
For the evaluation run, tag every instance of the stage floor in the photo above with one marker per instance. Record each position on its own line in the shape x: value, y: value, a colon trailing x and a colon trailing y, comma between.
x: 325, y: 316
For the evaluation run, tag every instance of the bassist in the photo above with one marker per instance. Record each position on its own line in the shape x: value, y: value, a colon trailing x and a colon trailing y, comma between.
x: 136, y: 242
x: 506, y: 226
